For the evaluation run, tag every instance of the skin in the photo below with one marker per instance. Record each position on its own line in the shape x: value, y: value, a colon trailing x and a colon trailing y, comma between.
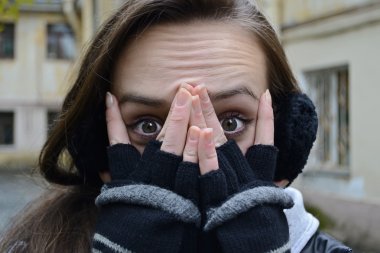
x: 187, y: 80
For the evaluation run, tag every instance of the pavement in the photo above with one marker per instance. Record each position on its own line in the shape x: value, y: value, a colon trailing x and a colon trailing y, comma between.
x: 17, y: 188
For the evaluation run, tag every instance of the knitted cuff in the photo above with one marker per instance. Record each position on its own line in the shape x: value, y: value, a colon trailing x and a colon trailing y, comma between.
x: 268, y: 231
x: 187, y: 181
x: 262, y: 159
x: 142, y: 173
x: 213, y: 189
x: 122, y: 160
x: 245, y: 201
x: 232, y: 155
x: 151, y: 196
x: 164, y: 167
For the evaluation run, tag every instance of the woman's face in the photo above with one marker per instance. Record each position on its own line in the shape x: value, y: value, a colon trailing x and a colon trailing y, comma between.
x: 224, y: 57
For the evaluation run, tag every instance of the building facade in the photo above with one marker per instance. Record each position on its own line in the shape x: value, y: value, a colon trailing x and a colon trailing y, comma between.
x: 36, y: 51
x: 333, y: 48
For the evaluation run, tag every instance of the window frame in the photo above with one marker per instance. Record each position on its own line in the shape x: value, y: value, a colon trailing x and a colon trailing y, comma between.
x: 59, y: 55
x: 13, y: 124
x: 338, y: 122
x: 3, y: 25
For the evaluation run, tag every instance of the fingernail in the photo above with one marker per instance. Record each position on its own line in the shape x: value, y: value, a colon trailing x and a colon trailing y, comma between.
x: 187, y: 86
x: 196, y: 105
x: 203, y: 94
x: 194, y: 133
x: 109, y: 100
x: 209, y: 135
x: 182, y: 97
x: 268, y: 97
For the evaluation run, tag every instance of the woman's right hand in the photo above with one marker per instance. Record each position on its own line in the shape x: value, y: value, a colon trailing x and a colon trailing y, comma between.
x: 173, y: 135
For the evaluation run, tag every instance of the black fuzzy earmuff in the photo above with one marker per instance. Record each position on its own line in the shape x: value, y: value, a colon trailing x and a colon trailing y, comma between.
x: 296, y: 125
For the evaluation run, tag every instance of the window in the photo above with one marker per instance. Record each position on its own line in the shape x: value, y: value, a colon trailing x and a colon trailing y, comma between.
x: 61, y: 42
x: 7, y: 37
x: 6, y: 128
x: 329, y: 90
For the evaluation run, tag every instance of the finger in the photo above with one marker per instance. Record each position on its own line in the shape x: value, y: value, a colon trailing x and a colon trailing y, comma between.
x: 196, y: 116
x: 105, y: 176
x: 117, y: 133
x: 161, y: 135
x: 176, y: 131
x: 188, y: 87
x: 264, y: 133
x: 190, y: 153
x: 209, y: 115
x: 282, y: 183
x: 208, y: 160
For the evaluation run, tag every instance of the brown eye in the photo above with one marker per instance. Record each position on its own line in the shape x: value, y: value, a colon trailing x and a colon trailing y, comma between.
x: 229, y: 125
x: 232, y: 125
x: 147, y: 127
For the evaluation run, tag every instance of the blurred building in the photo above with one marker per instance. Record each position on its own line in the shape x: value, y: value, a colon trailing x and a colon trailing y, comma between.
x: 333, y: 48
x: 37, y: 51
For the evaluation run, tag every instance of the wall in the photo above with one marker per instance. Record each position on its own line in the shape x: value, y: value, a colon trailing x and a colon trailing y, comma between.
x: 357, y: 47
x: 30, y: 85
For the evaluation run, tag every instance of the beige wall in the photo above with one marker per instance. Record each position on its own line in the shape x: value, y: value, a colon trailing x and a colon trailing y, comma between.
x: 30, y: 85
x: 352, y: 40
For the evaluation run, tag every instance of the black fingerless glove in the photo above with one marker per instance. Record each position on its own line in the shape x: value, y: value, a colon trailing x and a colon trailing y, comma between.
x: 151, y: 203
x: 241, y: 205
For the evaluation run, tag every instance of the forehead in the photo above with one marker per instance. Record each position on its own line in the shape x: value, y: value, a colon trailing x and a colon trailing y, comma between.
x: 220, y: 55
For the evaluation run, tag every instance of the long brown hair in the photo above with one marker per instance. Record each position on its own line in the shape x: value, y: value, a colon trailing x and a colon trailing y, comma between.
x: 80, y: 133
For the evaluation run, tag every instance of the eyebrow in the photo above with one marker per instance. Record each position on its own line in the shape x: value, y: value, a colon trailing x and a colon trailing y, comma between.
x: 220, y: 95
x: 214, y: 96
x: 137, y: 99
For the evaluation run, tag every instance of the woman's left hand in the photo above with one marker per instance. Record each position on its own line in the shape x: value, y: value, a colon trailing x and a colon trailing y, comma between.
x: 264, y: 133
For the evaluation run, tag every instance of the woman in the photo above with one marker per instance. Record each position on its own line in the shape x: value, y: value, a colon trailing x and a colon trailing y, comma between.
x: 181, y: 92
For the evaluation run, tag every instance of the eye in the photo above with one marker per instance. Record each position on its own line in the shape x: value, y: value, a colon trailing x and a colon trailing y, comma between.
x: 233, y: 124
x: 147, y: 128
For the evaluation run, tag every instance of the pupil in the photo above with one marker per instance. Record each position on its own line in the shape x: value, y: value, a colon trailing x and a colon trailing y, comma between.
x: 229, y: 125
x: 149, y: 127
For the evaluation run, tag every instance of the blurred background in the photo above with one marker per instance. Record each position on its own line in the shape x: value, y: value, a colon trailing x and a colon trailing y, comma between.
x: 333, y: 47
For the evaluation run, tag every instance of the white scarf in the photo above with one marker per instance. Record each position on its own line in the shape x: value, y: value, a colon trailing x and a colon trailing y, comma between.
x: 302, y: 225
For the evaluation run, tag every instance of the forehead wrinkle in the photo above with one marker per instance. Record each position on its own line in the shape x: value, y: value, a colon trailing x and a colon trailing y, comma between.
x: 213, y: 55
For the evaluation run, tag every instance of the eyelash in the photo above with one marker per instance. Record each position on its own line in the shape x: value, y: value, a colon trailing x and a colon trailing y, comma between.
x: 225, y: 116
x: 238, y: 116
x: 146, y: 137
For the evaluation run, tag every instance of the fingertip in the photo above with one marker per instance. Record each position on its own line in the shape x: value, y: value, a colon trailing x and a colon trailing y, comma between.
x: 175, y: 132
x: 194, y: 133
x: 117, y: 133
x: 109, y: 100
x: 187, y: 86
x: 264, y: 133
x: 183, y: 98
x: 208, y: 136
x: 208, y: 160
x: 190, y: 152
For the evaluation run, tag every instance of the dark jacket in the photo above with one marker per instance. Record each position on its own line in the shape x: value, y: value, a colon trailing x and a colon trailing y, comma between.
x: 304, y: 234
x: 321, y: 242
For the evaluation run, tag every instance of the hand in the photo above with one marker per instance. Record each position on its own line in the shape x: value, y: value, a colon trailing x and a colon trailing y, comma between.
x: 155, y: 191
x: 168, y: 166
x: 264, y: 133
x: 239, y: 199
